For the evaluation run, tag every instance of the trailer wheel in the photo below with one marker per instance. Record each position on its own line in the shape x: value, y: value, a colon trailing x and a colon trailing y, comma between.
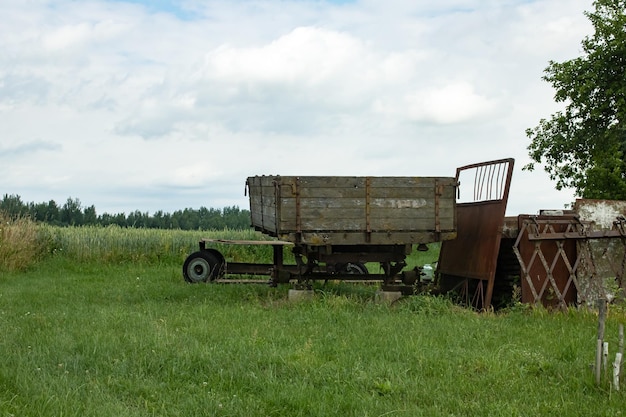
x: 201, y: 266
x: 356, y: 268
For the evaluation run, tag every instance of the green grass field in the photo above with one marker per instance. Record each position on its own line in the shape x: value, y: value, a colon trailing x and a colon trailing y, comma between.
x: 126, y: 336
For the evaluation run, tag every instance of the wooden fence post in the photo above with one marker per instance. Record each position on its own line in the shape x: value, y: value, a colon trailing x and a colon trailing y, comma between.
x: 617, y: 365
x: 600, y: 342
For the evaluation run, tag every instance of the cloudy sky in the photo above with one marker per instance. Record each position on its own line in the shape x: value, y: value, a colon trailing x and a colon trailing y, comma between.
x: 167, y: 104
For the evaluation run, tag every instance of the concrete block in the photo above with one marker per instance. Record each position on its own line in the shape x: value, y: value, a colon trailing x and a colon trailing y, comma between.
x: 387, y: 297
x: 300, y: 295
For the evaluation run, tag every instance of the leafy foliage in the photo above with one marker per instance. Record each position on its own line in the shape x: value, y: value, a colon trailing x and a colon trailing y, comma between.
x: 584, y: 146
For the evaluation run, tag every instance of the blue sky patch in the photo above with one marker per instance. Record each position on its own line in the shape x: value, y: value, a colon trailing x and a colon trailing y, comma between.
x: 177, y: 8
x: 161, y: 6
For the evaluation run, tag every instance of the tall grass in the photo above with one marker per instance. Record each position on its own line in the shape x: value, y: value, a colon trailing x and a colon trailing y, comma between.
x: 22, y: 243
x: 114, y: 245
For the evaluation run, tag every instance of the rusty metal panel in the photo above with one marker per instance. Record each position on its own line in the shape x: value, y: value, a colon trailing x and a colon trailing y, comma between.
x: 566, y: 260
x: 473, y: 254
x: 548, y: 266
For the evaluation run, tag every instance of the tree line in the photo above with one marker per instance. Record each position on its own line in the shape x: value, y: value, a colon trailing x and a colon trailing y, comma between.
x: 72, y: 213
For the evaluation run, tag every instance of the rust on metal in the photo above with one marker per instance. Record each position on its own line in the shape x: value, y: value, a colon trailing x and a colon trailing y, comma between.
x: 469, y: 262
x: 249, y: 242
x: 548, y: 266
x: 564, y: 260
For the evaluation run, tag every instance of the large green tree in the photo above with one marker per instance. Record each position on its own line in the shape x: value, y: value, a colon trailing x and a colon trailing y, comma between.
x: 584, y: 146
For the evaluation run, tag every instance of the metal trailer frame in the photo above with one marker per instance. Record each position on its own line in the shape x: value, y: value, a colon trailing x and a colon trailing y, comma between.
x: 209, y: 265
x: 308, y: 214
x: 467, y: 262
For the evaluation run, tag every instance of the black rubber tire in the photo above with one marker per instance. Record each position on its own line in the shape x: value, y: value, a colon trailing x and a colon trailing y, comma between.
x: 201, y: 266
x: 356, y: 268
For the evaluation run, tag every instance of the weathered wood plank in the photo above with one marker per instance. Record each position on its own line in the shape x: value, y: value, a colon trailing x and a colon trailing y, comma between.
x: 360, y: 182
x: 360, y: 237
x: 287, y: 192
x: 334, y: 225
x: 289, y: 213
x: 420, y: 204
x: 284, y: 205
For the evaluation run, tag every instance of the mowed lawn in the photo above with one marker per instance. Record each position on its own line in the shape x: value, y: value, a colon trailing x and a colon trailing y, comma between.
x: 132, y: 339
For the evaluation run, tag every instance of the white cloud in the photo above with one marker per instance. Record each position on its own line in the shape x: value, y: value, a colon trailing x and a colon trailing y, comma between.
x: 78, y: 35
x: 307, y: 54
x: 135, y: 108
x: 453, y: 103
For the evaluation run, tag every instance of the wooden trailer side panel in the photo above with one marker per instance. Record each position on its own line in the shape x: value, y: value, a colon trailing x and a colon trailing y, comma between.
x: 263, y: 208
x: 354, y: 210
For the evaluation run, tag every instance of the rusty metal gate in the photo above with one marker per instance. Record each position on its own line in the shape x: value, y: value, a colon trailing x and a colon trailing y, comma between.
x: 563, y: 262
x: 468, y: 263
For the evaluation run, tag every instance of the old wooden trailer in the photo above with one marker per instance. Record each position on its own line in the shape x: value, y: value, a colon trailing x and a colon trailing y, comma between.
x: 335, y: 225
